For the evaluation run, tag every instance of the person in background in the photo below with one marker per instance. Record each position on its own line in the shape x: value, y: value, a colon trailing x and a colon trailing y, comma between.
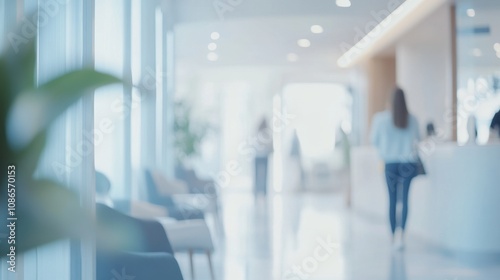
x: 495, y: 126
x: 296, y: 154
x: 431, y: 131
x: 395, y: 134
x: 263, y: 149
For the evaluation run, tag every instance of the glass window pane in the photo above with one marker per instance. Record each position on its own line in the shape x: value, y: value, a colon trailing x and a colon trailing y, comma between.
x: 478, y: 43
x: 109, y: 104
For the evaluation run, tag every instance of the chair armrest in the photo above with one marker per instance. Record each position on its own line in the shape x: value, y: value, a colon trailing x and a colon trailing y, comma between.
x: 146, y: 210
x: 188, y: 235
x: 121, y: 232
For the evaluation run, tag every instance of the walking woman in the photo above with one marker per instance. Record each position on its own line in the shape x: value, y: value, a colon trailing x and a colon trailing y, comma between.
x: 395, y: 134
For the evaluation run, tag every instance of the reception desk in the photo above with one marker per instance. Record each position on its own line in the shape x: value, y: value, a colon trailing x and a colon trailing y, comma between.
x: 455, y: 206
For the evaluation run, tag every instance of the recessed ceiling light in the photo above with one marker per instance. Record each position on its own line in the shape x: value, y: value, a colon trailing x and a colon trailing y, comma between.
x: 215, y: 35
x: 211, y: 56
x: 477, y: 52
x: 212, y: 46
x: 498, y: 54
x: 497, y: 47
x: 304, y: 43
x: 471, y: 12
x: 316, y: 29
x: 292, y: 57
x: 343, y: 3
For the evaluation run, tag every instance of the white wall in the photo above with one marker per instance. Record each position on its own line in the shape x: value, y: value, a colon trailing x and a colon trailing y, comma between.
x: 424, y: 70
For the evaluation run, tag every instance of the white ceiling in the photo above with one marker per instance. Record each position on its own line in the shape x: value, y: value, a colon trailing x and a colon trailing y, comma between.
x: 202, y: 11
x: 263, y: 32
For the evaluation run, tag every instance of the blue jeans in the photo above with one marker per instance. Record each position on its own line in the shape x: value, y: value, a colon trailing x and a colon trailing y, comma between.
x: 398, y: 177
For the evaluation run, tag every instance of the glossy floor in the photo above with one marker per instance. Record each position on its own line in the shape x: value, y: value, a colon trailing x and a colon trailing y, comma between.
x: 314, y: 236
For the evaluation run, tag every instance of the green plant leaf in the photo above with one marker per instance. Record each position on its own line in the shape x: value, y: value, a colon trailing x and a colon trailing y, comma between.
x: 4, y: 107
x: 21, y: 62
x: 17, y: 73
x: 46, y: 211
x: 68, y: 88
x: 28, y: 63
x: 28, y: 158
x: 32, y: 113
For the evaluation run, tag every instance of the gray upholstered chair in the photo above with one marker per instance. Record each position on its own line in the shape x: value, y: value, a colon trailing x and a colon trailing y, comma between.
x: 130, y: 247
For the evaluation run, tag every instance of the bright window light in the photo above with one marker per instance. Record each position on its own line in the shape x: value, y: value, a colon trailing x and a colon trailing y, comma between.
x: 292, y: 57
x: 497, y: 47
x: 471, y: 12
x: 322, y: 109
x: 316, y: 29
x: 304, y: 43
x: 212, y: 56
x: 343, y: 3
x: 215, y: 35
x: 212, y: 46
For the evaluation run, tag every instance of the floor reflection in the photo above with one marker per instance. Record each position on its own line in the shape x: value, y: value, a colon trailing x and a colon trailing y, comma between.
x: 398, y: 266
x: 281, y: 237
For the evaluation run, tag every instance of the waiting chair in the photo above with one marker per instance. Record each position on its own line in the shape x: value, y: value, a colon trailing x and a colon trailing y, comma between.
x: 130, y: 248
x: 195, y: 184
x: 178, y: 210
x: 190, y: 236
x: 167, y: 191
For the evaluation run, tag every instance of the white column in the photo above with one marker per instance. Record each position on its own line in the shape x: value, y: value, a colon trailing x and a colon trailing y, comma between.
x: 168, y: 156
x: 148, y: 85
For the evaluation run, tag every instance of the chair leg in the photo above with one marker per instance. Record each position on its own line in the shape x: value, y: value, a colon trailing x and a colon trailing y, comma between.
x: 191, y: 265
x: 218, y: 217
x: 210, y: 265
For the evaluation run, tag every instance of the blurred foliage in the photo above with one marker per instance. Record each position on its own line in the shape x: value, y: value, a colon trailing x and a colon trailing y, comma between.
x: 188, y: 133
x: 46, y: 210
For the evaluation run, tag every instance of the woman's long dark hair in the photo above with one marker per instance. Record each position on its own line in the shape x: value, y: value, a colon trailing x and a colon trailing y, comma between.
x: 399, y: 109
